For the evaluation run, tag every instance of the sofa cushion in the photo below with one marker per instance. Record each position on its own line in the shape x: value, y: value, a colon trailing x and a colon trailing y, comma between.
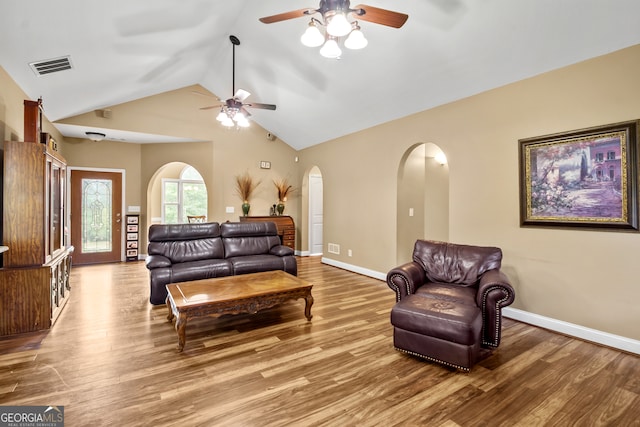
x: 452, y: 263
x: 248, y: 238
x: 203, y: 269
x: 186, y: 242
x: 256, y: 263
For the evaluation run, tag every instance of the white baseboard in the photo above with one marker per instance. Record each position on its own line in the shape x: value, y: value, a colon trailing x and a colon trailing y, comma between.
x: 577, y: 331
x: 355, y: 268
x: 588, y: 334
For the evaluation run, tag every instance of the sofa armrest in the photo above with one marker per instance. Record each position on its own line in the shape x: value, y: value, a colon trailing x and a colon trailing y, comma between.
x: 281, y: 250
x: 494, y: 292
x: 157, y: 261
x: 405, y: 279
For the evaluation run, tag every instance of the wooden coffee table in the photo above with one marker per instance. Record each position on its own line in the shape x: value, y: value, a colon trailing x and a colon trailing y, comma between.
x: 246, y: 293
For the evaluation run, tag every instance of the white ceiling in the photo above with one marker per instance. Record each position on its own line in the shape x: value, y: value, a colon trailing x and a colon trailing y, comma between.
x: 122, y: 50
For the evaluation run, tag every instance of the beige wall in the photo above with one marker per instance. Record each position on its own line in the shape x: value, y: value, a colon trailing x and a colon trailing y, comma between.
x: 217, y: 153
x: 588, y: 278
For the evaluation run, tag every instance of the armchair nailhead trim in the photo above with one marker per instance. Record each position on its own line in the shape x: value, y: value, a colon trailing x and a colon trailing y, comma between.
x: 433, y: 359
x: 393, y: 286
x: 496, y: 336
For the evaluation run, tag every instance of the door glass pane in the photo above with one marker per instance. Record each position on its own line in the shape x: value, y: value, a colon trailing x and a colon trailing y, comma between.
x: 96, y: 215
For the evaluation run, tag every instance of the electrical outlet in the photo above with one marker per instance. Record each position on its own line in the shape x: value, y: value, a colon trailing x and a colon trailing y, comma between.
x: 231, y: 209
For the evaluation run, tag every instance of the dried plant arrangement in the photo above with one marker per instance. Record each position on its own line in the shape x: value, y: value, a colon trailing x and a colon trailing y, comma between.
x: 284, y: 189
x: 245, y: 186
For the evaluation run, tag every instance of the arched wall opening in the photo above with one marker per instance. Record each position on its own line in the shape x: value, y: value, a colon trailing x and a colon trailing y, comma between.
x: 423, y: 198
x: 174, y: 172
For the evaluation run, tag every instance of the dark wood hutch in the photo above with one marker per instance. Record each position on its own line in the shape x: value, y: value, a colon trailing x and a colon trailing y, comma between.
x: 34, y: 278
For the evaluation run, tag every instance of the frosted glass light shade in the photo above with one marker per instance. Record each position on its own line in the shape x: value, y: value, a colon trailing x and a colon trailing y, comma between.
x: 356, y: 40
x: 221, y: 116
x: 339, y: 26
x: 227, y: 122
x: 312, y: 37
x: 331, y: 49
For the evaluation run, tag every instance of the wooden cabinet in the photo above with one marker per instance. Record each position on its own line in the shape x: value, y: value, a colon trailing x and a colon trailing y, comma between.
x: 284, y: 224
x: 34, y: 283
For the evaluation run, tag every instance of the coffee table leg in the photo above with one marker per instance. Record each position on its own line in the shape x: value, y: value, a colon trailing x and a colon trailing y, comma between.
x: 181, y: 325
x: 170, y: 315
x: 307, y: 306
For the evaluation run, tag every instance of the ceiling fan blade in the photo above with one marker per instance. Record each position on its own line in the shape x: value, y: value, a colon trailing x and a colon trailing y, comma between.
x: 380, y: 16
x: 246, y: 113
x: 210, y: 107
x: 287, y: 15
x: 261, y: 106
x: 241, y: 95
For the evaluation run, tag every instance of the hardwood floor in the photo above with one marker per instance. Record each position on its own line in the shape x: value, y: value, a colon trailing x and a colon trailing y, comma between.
x: 111, y: 359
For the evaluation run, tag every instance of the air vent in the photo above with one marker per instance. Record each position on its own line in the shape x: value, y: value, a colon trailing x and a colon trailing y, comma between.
x: 49, y: 66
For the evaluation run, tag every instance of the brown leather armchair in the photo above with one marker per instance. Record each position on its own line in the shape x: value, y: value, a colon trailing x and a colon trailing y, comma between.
x: 449, y: 301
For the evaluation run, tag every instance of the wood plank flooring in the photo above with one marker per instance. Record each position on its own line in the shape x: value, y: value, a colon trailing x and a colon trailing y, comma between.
x: 111, y: 359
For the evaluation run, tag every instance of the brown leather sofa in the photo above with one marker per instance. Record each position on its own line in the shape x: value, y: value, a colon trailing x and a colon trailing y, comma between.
x: 449, y: 301
x: 183, y: 252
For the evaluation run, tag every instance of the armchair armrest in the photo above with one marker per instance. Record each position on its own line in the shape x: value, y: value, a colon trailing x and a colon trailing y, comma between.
x: 494, y: 292
x: 157, y: 261
x: 405, y: 279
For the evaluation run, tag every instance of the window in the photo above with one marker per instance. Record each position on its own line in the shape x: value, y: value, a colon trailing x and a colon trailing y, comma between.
x: 599, y: 157
x: 183, y: 197
x: 611, y: 155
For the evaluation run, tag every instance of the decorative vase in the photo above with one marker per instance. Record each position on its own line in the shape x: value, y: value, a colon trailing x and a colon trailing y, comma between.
x: 245, y: 208
x: 280, y: 208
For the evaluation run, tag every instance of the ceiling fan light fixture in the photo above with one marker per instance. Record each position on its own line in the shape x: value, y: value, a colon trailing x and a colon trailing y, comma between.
x: 338, y: 25
x: 244, y: 123
x: 221, y: 116
x: 95, y: 136
x: 228, y: 122
x: 356, y: 40
x: 312, y: 37
x: 331, y: 49
x: 238, y: 117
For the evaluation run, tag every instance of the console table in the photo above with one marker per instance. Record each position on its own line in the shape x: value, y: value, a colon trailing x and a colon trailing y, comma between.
x: 284, y: 224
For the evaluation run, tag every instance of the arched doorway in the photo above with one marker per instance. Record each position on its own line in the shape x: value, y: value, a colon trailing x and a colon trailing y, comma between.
x: 175, y: 192
x: 423, y: 198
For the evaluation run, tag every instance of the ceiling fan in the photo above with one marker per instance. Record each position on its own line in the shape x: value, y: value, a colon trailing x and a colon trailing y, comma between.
x: 330, y: 8
x: 233, y: 111
x: 336, y: 24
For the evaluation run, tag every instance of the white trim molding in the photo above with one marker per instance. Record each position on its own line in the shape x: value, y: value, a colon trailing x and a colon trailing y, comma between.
x: 355, y: 268
x: 593, y: 335
x: 577, y: 331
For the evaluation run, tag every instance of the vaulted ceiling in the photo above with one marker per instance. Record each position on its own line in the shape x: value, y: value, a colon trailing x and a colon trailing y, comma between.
x: 122, y: 50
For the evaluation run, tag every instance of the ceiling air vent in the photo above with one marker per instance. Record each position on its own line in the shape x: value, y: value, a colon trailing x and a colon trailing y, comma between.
x: 49, y: 66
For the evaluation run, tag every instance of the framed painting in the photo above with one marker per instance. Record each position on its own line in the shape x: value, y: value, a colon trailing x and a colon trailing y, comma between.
x: 584, y: 178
